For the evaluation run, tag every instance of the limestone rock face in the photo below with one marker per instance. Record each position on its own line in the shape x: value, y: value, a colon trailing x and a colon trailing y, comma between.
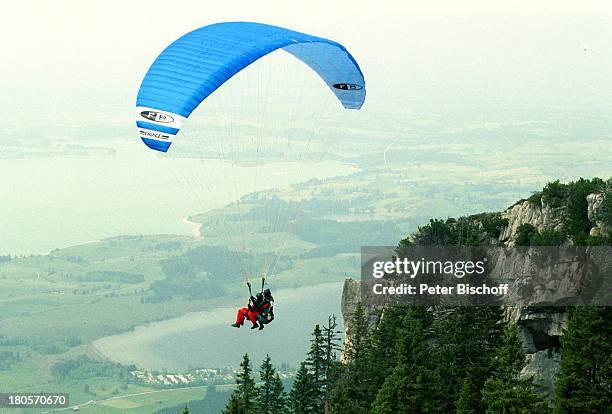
x: 550, y: 281
x: 544, y: 217
x: 351, y: 295
x: 543, y: 367
x: 540, y: 331
x: 540, y: 216
x: 595, y: 213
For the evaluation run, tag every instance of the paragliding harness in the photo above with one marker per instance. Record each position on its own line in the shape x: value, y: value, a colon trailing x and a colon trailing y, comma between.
x: 265, y: 309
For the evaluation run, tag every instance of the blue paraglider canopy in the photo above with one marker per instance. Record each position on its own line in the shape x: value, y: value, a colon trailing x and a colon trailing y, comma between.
x: 198, y: 63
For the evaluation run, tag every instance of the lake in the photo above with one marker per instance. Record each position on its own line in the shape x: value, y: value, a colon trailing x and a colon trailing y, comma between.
x: 206, y: 340
x: 53, y: 202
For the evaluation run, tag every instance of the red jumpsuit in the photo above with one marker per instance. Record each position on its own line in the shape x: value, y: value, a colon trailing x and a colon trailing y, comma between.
x: 244, y: 313
x: 251, y: 312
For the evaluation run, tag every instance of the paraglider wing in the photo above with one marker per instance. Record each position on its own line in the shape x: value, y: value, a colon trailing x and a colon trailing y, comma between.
x: 195, y: 65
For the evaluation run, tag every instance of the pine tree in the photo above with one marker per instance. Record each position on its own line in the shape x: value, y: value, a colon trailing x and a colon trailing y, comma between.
x: 351, y: 394
x: 466, y: 341
x: 233, y: 405
x: 584, y: 383
x: 361, y: 375
x: 270, y: 397
x: 469, y: 397
x: 412, y: 385
x: 186, y: 409
x: 264, y: 391
x: 278, y: 404
x: 518, y: 397
x: 382, y: 343
x: 303, y: 393
x: 506, y: 391
x: 315, y: 362
x: 331, y: 335
x: 358, y: 333
x: 243, y: 399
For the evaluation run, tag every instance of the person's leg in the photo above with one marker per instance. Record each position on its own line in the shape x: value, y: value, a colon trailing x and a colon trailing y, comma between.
x: 242, y: 314
x: 253, y: 317
x: 263, y: 318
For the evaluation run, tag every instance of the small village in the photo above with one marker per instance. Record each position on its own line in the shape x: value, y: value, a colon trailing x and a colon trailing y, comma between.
x: 202, y: 376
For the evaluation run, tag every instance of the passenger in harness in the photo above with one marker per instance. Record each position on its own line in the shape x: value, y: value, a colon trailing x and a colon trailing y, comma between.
x: 251, y: 311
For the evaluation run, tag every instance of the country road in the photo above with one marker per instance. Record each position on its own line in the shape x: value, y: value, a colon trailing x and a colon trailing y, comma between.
x: 118, y: 397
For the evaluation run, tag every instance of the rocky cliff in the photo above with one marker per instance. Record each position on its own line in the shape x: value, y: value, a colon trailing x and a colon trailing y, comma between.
x: 540, y: 327
x: 597, y: 212
x: 541, y: 216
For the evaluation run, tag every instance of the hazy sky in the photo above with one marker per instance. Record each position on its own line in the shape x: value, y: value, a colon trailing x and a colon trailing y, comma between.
x: 70, y: 69
x: 77, y: 45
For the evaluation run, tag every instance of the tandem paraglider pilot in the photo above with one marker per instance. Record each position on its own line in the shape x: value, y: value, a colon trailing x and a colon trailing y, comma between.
x: 259, y: 310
